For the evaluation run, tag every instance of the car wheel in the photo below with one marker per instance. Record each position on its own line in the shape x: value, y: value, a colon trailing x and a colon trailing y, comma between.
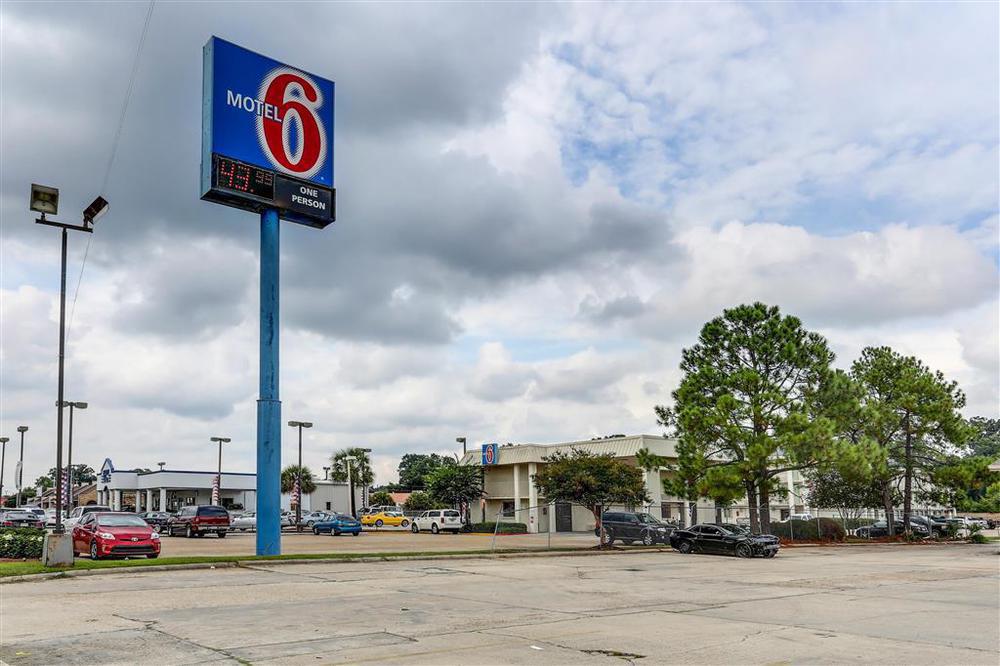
x: 434, y: 528
x: 404, y: 523
x: 684, y: 547
x: 357, y: 533
x: 93, y: 551
x: 334, y: 533
x: 152, y: 556
x: 744, y: 550
x: 222, y: 535
x: 187, y: 532
x: 378, y: 523
x: 647, y: 539
x: 316, y: 531
x: 771, y: 553
x: 415, y: 528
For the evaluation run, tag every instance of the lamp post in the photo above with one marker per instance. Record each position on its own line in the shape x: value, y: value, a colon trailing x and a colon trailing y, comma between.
x: 461, y: 440
x: 19, y: 475
x: 46, y: 200
x: 221, y: 441
x: 3, y: 460
x: 326, y: 475
x: 69, y: 452
x: 161, y: 464
x: 298, y: 506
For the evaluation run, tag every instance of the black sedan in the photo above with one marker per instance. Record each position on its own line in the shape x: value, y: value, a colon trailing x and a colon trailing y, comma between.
x: 724, y: 540
x: 156, y: 519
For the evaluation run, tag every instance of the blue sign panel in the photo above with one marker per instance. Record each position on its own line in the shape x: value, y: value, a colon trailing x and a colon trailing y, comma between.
x: 267, y: 135
x: 490, y: 454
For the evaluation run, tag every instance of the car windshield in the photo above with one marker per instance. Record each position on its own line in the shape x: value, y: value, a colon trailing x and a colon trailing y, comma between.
x: 646, y: 518
x: 733, y: 529
x: 116, y: 520
x: 18, y: 515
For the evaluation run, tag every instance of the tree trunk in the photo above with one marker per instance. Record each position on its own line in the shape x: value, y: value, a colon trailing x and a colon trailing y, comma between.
x: 596, y: 510
x: 693, y: 505
x: 908, y: 479
x: 887, y: 507
x: 765, y: 508
x: 752, y: 504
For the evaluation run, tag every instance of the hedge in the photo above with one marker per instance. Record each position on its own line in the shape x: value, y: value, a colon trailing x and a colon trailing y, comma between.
x: 806, y: 530
x: 505, y: 528
x: 21, y: 542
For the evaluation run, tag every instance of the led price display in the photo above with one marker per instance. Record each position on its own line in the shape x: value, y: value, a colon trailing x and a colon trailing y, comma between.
x: 240, y: 177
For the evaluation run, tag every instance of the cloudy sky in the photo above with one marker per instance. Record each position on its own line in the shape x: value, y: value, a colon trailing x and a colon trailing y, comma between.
x: 538, y: 207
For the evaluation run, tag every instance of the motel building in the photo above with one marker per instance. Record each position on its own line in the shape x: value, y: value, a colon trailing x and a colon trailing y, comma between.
x: 168, y: 490
x: 510, y: 492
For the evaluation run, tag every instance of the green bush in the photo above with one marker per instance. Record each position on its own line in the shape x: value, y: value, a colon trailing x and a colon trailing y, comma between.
x: 978, y: 538
x: 21, y: 542
x: 827, y: 529
x: 505, y: 528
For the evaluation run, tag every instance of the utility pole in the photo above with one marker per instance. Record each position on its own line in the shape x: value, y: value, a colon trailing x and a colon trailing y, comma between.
x: 3, y: 460
x: 19, y: 476
x: 217, y: 499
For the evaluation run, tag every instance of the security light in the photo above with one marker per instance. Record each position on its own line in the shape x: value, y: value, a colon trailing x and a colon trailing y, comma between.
x: 22, y: 428
x: 95, y: 210
x: 44, y: 199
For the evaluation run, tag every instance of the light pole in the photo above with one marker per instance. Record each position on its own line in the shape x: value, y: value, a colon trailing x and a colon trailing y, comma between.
x: 19, y: 475
x: 221, y: 440
x: 298, y: 506
x: 3, y: 460
x: 350, y: 483
x: 69, y: 453
x: 326, y: 475
x: 161, y: 464
x: 46, y: 200
x: 461, y: 440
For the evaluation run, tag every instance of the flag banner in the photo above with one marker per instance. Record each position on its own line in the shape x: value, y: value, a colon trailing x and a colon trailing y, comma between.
x: 216, y: 482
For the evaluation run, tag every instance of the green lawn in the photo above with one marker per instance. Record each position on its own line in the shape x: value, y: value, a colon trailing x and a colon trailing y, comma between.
x: 35, y: 566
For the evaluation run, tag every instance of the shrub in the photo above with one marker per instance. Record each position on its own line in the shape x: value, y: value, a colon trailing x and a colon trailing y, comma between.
x: 505, y: 528
x: 828, y: 529
x: 21, y: 542
x: 978, y: 538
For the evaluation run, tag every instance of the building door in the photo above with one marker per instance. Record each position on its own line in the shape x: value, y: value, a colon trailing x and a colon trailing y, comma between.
x: 564, y: 517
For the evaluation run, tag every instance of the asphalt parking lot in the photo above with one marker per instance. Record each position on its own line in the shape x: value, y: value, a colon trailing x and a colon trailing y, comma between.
x: 884, y: 604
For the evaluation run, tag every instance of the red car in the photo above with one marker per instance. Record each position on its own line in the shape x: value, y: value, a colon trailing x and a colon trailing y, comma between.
x: 104, y: 534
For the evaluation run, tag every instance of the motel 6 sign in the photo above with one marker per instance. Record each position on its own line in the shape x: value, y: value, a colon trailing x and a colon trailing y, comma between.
x: 267, y: 136
x: 490, y: 454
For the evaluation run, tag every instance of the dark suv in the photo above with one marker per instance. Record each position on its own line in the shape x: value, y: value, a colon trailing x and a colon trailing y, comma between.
x: 627, y: 527
x: 199, y: 521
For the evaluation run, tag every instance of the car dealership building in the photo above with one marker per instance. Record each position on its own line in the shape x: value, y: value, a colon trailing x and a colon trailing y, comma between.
x: 168, y: 490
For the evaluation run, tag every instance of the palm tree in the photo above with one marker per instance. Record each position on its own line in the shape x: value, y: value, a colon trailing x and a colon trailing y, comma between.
x: 361, y: 469
x: 290, y: 473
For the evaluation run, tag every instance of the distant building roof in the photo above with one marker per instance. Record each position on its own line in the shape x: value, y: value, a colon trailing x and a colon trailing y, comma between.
x: 400, y: 498
x: 620, y: 447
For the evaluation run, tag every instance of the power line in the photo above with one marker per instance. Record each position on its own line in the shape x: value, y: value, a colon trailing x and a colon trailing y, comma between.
x: 114, y: 150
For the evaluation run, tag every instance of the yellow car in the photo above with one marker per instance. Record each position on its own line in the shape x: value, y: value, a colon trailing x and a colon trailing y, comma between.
x: 394, y: 518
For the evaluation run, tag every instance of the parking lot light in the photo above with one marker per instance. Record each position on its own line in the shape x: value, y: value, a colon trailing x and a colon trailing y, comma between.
x: 221, y: 441
x: 298, y: 506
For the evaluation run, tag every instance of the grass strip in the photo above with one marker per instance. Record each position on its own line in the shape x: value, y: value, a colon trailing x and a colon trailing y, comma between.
x: 36, y: 567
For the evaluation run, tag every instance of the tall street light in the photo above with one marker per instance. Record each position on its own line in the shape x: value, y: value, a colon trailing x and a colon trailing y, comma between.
x: 350, y: 483
x: 46, y: 200
x: 326, y: 475
x: 461, y: 440
x: 298, y: 506
x: 218, y: 492
x: 161, y: 464
x: 69, y: 453
x: 3, y: 460
x: 19, y: 473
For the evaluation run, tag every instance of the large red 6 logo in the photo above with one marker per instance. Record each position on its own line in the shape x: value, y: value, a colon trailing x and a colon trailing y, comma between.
x: 297, y: 99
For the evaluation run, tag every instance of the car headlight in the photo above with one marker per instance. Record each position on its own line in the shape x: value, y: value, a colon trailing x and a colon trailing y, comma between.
x: 154, y: 535
x: 106, y: 535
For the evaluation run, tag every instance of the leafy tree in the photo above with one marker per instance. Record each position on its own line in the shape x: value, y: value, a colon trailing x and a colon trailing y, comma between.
x: 456, y: 485
x: 415, y: 468
x: 759, y: 398
x: 45, y: 482
x: 420, y: 501
x: 985, y: 437
x: 962, y: 483
x: 381, y: 498
x: 849, y: 494
x: 82, y: 474
x: 912, y: 413
x: 291, y: 473
x: 591, y: 480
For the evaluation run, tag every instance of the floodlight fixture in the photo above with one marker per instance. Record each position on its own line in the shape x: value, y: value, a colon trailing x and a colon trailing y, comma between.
x: 95, y: 210
x: 44, y: 199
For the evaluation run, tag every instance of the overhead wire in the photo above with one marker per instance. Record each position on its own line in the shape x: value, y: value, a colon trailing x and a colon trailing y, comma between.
x: 114, y: 150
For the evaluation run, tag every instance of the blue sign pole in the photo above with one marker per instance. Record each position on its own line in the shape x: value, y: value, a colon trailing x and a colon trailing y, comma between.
x: 268, y: 404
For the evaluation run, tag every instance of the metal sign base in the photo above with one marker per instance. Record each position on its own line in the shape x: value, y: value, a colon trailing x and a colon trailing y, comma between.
x: 268, y: 404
